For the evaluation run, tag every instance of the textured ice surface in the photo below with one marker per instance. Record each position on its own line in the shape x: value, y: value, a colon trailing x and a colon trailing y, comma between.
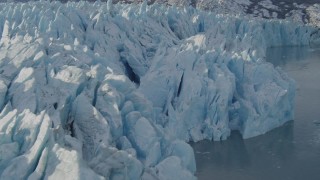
x: 300, y: 11
x: 102, y: 91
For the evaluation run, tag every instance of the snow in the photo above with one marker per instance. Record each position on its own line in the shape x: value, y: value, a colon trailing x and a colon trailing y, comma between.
x: 268, y: 5
x: 103, y: 91
x: 304, y: 12
x: 313, y: 12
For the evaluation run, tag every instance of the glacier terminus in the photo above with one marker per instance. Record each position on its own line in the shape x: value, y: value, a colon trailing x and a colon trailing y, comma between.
x: 116, y: 91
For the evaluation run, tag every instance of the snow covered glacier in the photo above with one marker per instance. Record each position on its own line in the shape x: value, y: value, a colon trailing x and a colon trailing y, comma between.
x: 102, y: 91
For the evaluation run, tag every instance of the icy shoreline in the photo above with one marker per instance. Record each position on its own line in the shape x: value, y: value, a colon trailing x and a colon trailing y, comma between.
x: 94, y: 91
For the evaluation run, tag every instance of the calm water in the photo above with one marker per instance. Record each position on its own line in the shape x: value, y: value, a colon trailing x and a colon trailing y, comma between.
x: 291, y: 152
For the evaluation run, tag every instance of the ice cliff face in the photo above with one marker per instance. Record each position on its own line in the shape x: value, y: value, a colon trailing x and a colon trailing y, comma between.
x: 97, y: 91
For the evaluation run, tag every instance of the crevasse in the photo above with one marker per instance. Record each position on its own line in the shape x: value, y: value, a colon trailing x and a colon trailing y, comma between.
x: 103, y: 91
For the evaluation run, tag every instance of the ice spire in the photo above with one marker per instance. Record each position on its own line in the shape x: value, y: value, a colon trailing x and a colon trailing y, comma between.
x: 5, y: 34
x: 143, y: 7
x: 110, y: 7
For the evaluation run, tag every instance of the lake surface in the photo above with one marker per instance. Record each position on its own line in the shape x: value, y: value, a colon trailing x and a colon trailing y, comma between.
x: 291, y: 152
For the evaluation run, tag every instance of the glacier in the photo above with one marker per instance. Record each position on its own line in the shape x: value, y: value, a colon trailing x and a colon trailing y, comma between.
x: 299, y: 11
x: 115, y: 91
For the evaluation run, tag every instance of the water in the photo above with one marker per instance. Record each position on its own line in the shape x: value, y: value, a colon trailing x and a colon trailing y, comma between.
x: 291, y: 152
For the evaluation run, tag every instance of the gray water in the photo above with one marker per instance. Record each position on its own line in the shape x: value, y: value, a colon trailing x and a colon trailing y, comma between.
x: 291, y: 152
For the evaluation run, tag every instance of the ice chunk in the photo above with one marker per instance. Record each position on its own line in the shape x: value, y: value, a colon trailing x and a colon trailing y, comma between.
x: 23, y: 165
x: 3, y: 91
x: 112, y: 163
x: 171, y: 168
x: 265, y: 96
x: 185, y: 153
x: 23, y: 90
x: 89, y: 126
x: 61, y: 164
x: 39, y: 171
x: 9, y: 151
x: 143, y: 136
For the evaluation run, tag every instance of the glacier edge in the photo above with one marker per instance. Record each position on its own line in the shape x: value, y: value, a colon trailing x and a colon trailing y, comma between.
x: 103, y: 91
